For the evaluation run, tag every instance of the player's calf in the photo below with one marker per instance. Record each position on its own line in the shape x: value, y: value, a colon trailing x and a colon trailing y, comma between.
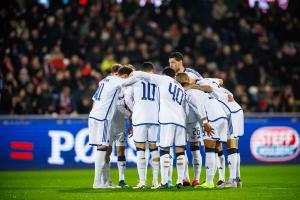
x: 220, y: 165
x: 164, y: 164
x: 99, y: 166
x: 155, y: 164
x: 197, y: 162
x: 141, y: 164
x: 232, y: 152
x: 210, y: 162
x: 180, y: 164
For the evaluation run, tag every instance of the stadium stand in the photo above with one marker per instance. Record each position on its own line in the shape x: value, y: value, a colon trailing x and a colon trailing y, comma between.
x: 52, y: 58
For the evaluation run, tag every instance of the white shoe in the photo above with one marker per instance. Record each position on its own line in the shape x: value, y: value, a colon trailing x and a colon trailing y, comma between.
x: 141, y: 185
x: 155, y: 185
x: 230, y: 184
x: 112, y: 185
x: 99, y: 186
x: 221, y: 184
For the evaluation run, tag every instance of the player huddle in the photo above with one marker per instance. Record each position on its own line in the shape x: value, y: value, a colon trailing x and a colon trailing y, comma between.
x: 166, y: 112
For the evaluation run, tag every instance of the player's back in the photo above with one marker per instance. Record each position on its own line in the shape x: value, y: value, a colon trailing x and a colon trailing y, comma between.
x: 105, y: 98
x: 145, y: 108
x: 172, y: 105
x: 171, y: 98
x: 211, y: 105
x: 221, y: 94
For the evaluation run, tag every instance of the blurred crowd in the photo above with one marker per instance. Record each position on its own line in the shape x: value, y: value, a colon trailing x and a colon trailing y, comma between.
x: 52, y: 58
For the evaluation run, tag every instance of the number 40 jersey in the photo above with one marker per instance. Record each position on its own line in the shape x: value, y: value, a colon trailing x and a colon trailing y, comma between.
x: 172, y: 103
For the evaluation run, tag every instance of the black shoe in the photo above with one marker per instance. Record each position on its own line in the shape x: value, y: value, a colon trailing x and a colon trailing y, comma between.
x: 186, y: 183
x: 122, y: 184
x: 179, y: 185
x: 164, y: 186
x: 220, y: 182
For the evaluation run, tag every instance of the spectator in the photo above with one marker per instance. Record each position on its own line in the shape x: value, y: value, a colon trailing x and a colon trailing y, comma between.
x: 52, y: 58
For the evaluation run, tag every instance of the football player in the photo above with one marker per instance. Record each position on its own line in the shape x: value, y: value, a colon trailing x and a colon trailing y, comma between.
x: 142, y: 99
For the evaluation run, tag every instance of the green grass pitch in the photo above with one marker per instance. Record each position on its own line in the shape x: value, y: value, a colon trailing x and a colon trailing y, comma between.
x: 260, y: 182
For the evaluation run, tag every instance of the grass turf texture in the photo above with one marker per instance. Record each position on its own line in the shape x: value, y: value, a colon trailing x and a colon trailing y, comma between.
x: 260, y: 182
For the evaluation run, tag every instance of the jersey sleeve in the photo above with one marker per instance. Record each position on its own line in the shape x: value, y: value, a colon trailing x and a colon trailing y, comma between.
x: 194, y: 104
x: 121, y: 105
x: 128, y: 95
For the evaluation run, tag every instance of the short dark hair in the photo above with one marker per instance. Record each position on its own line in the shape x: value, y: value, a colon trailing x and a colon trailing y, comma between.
x: 169, y: 72
x: 177, y: 56
x: 115, y: 68
x: 147, y: 66
x: 125, y: 70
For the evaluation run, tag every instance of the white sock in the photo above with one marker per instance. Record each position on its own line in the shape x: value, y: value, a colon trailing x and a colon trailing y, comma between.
x: 99, y: 166
x: 221, y: 167
x: 170, y: 172
x: 155, y: 164
x: 181, y: 166
x: 141, y: 165
x: 186, y: 168
x: 164, y: 168
x: 210, y: 165
x: 238, y: 168
x: 232, y: 164
x: 197, y: 164
x: 121, y: 167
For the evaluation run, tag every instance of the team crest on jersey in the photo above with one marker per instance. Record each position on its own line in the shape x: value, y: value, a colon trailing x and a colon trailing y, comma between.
x: 275, y: 144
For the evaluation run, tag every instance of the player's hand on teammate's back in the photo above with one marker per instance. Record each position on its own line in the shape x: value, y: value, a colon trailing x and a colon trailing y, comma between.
x: 208, y: 129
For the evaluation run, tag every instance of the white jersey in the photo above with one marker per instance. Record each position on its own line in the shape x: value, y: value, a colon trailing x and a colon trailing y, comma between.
x: 106, y: 97
x: 172, y: 104
x: 142, y: 98
x: 192, y: 73
x: 221, y: 94
x: 204, y: 105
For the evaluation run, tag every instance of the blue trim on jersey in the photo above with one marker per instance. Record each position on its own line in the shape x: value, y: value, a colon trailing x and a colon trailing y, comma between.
x: 95, y: 144
x: 100, y: 120
x: 171, y: 123
x: 139, y: 142
x: 194, y: 72
x: 218, y: 119
x: 229, y: 108
x: 144, y: 142
x: 145, y: 124
x: 172, y: 146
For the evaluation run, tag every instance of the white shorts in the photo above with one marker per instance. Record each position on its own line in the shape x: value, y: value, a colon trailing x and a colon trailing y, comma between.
x: 118, y: 137
x: 99, y: 132
x: 117, y: 133
x: 237, y: 120
x: 171, y: 134
x: 235, y: 116
x: 220, y: 131
x: 143, y: 133
x: 194, y: 131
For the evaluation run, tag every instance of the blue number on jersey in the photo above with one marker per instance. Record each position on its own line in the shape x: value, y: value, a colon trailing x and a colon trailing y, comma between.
x: 177, y: 93
x: 98, y: 92
x: 148, y: 91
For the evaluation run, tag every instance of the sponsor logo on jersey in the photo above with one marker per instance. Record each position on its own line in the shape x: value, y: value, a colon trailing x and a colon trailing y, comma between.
x: 275, y: 144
